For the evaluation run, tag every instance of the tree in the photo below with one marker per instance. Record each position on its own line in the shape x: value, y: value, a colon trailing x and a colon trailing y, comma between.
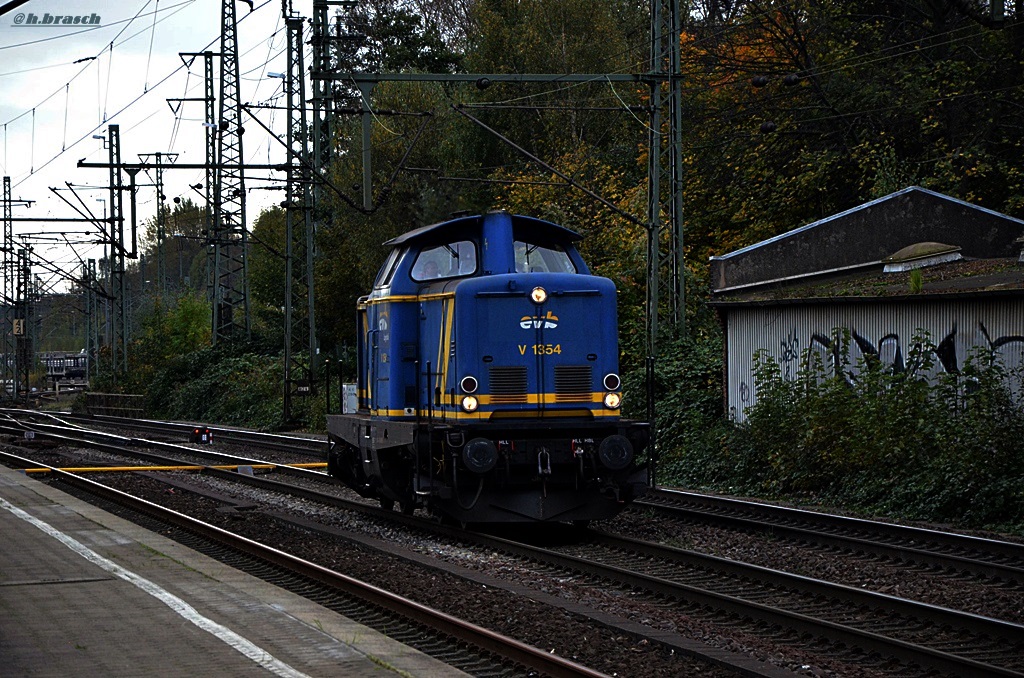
x: 167, y: 332
x: 184, y: 247
x: 267, y: 259
x: 555, y: 36
x: 799, y: 110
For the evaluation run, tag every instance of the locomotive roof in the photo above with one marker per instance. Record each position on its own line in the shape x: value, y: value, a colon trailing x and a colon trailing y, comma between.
x: 526, y: 226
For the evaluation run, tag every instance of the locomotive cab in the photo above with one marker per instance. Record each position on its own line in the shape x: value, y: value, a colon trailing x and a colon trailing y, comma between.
x: 488, y: 385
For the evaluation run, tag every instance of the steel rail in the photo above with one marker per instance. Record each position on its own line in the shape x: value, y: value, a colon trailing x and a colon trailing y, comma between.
x: 849, y: 594
x: 696, y: 649
x: 901, y: 649
x: 131, y: 447
x: 686, y: 647
x: 945, y: 662
x: 227, y: 434
x: 904, y: 542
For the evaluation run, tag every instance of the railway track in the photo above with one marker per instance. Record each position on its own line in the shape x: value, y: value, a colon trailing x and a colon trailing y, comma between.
x: 273, y: 483
x: 994, y: 559
x: 457, y: 642
x: 997, y: 560
x: 944, y: 640
x: 915, y: 634
x: 312, y: 444
x: 294, y: 459
x: 798, y: 611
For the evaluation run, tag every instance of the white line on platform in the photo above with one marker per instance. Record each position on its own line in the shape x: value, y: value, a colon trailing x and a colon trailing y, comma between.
x: 247, y: 648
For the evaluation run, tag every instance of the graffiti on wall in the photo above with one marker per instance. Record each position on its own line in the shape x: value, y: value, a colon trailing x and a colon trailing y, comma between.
x: 891, y: 351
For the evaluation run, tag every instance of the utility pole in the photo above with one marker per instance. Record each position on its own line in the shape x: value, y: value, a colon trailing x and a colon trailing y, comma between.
x: 665, y: 270
x: 14, y: 325
x: 230, y: 234
x: 161, y: 215
x: 210, y: 125
x: 7, y: 370
x: 22, y: 323
x: 300, y: 323
x: 92, y: 313
x: 665, y: 174
x: 118, y: 322
x: 324, y: 104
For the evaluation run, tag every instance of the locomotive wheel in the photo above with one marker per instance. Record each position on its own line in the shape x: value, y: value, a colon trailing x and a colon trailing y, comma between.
x: 387, y: 504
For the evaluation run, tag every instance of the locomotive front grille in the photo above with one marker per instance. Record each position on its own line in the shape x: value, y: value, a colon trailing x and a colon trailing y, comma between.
x: 508, y: 385
x: 573, y: 383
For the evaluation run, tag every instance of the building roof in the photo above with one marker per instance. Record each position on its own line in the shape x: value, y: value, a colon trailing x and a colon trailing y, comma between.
x: 956, y: 279
x: 843, y: 255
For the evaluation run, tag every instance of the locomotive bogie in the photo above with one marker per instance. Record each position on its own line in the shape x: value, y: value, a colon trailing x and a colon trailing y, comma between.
x: 510, y: 474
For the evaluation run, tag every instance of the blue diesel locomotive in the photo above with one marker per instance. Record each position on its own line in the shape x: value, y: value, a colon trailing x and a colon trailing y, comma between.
x: 488, y: 387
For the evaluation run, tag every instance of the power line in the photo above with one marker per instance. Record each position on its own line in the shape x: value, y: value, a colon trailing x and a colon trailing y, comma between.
x: 129, y: 104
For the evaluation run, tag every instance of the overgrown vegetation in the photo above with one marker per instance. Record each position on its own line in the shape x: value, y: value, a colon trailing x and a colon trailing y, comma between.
x: 901, y: 443
x: 183, y: 377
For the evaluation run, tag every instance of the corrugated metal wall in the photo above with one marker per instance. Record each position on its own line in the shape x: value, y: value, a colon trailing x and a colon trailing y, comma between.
x: 887, y: 329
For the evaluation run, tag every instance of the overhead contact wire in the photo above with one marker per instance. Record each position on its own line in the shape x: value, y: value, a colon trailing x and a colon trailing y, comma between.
x: 67, y: 97
x: 149, y: 57
x: 130, y: 103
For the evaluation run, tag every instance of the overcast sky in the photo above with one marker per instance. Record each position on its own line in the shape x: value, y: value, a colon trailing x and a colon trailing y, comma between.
x: 60, y: 85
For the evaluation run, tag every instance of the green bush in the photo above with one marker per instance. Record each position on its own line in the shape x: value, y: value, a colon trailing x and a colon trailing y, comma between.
x: 225, y: 384
x: 687, y: 388
x: 944, y: 448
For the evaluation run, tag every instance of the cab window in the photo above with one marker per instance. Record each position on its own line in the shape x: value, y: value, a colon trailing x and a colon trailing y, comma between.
x: 532, y: 258
x: 445, y: 261
x: 387, y: 271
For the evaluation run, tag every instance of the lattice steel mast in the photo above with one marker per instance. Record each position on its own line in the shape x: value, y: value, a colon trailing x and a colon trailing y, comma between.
x: 22, y: 323
x: 300, y: 322
x: 324, y: 104
x: 7, y: 370
x: 212, y: 142
x: 92, y: 312
x: 161, y: 215
x: 665, y: 175
x: 118, y: 319
x: 230, y: 235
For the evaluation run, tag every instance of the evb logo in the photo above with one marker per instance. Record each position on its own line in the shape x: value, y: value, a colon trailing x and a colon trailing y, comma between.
x: 548, y: 322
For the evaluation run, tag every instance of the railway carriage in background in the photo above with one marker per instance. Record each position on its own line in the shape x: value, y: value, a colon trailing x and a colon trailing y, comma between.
x: 488, y: 387
x: 66, y: 369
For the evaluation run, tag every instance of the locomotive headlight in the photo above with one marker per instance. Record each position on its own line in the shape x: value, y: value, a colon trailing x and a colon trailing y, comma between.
x: 469, y: 384
x: 470, y: 403
x: 612, y: 401
x: 612, y: 382
x: 539, y: 295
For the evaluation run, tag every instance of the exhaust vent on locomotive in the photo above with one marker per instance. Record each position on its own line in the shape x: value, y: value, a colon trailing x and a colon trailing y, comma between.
x: 573, y: 383
x: 508, y: 384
